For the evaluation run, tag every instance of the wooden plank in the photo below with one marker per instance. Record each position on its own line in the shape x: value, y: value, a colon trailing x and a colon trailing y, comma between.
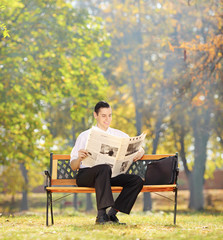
x: 54, y: 170
x: 71, y: 189
x: 146, y: 188
x: 63, y: 182
x: 159, y: 188
x: 155, y: 156
x: 61, y: 156
x: 145, y: 157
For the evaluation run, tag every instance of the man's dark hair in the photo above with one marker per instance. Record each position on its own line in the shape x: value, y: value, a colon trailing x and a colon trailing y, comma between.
x: 101, y: 104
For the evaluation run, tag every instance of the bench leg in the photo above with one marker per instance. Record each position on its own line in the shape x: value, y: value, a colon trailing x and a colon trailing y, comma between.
x: 47, y: 207
x: 49, y: 203
x: 175, y: 207
x: 51, y: 208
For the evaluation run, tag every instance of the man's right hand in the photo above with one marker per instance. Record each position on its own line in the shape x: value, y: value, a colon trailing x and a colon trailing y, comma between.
x: 82, y: 153
x: 75, y: 163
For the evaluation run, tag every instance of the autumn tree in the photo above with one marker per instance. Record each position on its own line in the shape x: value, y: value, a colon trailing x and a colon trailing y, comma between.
x: 161, y: 68
x: 139, y: 56
x: 207, y: 58
x: 197, y: 97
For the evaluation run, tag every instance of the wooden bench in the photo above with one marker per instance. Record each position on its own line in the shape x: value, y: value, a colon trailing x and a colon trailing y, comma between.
x: 62, y: 179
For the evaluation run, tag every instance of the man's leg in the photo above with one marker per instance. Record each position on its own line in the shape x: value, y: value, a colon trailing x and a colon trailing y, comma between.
x: 132, y: 185
x: 99, y: 178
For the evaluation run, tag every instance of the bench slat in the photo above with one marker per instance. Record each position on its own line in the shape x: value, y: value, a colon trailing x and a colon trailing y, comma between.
x: 155, y: 156
x: 63, y: 182
x: 145, y: 157
x: 146, y: 188
x: 61, y: 156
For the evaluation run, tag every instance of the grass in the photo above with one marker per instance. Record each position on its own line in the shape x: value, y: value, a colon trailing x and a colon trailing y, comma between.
x: 70, y: 224
x: 139, y: 226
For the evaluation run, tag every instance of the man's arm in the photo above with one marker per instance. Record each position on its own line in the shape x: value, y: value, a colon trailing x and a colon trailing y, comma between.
x: 75, y: 163
x: 139, y: 154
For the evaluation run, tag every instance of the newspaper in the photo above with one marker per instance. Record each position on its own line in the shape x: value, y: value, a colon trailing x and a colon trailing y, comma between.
x: 118, y: 152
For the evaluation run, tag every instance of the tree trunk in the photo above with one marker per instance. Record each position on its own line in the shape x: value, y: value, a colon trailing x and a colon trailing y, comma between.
x: 196, y: 178
x: 196, y: 191
x: 147, y: 202
x: 12, y: 204
x: 75, y: 201
x: 89, y: 205
x: 24, y: 203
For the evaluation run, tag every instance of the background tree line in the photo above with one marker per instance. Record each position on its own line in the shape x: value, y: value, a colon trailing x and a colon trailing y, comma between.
x: 159, y: 64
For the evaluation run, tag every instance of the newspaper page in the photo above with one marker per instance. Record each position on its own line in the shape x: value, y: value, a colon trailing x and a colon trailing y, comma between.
x: 117, y: 152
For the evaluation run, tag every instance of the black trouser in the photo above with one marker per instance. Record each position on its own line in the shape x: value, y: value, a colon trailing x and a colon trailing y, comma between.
x: 99, y: 177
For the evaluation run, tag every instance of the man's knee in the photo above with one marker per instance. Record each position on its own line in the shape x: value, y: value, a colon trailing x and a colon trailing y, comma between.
x: 104, y: 168
x: 139, y: 181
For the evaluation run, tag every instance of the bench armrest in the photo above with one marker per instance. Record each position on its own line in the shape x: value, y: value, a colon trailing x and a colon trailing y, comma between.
x: 47, y: 173
x: 48, y: 178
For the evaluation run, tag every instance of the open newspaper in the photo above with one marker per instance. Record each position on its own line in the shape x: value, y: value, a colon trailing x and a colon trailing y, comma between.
x: 117, y: 152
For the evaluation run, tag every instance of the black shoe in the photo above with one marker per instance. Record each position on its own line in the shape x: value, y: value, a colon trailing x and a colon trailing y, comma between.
x: 102, y: 219
x: 115, y: 220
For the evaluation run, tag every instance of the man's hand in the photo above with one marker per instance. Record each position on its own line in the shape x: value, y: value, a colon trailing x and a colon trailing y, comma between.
x: 139, y: 155
x: 75, y: 163
x: 82, y: 153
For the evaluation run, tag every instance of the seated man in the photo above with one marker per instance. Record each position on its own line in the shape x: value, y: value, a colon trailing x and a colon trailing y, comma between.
x: 99, y: 176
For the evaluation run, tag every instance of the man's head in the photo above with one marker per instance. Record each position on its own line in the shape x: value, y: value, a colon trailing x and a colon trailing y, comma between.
x: 103, y: 115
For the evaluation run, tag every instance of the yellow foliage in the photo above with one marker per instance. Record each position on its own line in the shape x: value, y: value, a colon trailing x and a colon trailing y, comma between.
x: 9, y: 176
x: 198, y: 23
x: 197, y: 100
x: 171, y: 47
x: 218, y: 66
x: 109, y: 19
x: 193, y: 79
x: 174, y: 22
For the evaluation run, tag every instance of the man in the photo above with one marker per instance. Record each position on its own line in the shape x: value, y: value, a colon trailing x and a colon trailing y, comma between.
x: 99, y: 176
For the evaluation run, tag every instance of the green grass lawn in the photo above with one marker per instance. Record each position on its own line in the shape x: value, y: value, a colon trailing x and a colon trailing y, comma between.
x: 70, y: 224
x: 159, y: 225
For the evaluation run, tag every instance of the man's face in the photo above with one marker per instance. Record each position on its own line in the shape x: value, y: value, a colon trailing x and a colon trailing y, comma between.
x: 103, y: 118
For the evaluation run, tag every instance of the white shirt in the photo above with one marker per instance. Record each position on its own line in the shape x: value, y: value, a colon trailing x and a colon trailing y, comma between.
x: 82, y: 140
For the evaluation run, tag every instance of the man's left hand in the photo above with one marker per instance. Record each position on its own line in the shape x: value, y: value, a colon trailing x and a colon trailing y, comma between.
x: 139, y: 155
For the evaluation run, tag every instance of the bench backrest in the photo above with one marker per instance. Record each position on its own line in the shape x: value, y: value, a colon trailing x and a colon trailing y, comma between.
x: 62, y: 174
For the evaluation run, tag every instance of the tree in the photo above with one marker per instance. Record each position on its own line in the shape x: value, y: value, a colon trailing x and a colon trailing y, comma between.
x: 162, y: 54
x: 3, y: 27
x: 138, y: 55
x: 50, y: 61
x: 200, y: 94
